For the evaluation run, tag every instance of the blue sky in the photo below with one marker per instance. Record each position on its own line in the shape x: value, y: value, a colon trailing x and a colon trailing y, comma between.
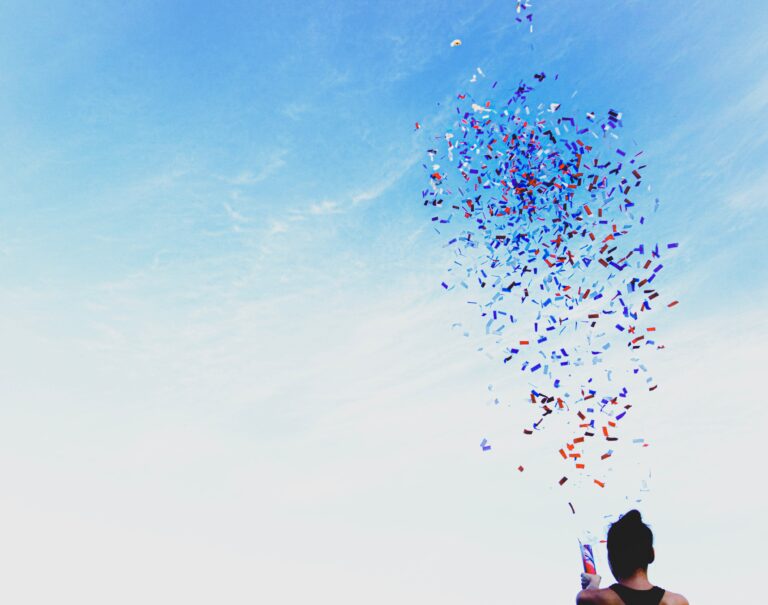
x: 228, y: 368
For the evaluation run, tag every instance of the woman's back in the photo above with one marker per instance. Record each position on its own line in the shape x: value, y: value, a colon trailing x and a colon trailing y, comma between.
x: 618, y: 594
x: 631, y: 596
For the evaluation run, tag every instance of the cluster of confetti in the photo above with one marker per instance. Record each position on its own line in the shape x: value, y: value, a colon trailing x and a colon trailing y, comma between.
x: 524, y: 13
x: 544, y: 213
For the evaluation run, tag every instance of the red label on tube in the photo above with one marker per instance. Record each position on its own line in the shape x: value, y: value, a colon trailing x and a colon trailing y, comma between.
x: 588, y: 559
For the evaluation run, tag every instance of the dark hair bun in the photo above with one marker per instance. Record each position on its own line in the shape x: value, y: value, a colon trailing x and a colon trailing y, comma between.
x: 630, y: 545
x: 633, y: 517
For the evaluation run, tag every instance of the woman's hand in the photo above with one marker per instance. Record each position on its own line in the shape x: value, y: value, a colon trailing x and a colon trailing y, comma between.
x: 590, y: 581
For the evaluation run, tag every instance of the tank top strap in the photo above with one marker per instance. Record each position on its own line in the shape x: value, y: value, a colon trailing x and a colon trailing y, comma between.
x: 630, y: 596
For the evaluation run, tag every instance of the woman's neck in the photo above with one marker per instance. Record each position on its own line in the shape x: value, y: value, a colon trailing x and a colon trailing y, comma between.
x: 638, y: 581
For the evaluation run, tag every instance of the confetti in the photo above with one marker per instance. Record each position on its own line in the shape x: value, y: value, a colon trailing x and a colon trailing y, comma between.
x: 546, y: 221
x: 523, y: 13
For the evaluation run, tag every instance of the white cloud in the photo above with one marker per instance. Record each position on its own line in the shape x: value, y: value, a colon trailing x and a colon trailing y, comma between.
x: 295, y: 110
x: 277, y: 227
x: 234, y: 214
x: 266, y: 169
x: 296, y: 215
x: 279, y: 433
x: 325, y: 207
x: 757, y: 99
x: 752, y: 197
x: 378, y: 189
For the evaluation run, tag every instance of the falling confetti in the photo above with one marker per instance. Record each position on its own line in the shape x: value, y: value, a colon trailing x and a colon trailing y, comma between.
x: 545, y: 216
x: 524, y: 14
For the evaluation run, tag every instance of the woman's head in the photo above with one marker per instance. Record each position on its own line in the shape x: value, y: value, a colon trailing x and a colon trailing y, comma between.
x: 630, y: 545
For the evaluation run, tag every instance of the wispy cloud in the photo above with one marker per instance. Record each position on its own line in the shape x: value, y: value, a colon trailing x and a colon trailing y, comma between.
x: 234, y: 214
x: 324, y: 207
x: 295, y: 110
x: 296, y: 215
x: 750, y: 102
x: 266, y: 169
x: 382, y: 186
x: 752, y: 197
x: 277, y: 227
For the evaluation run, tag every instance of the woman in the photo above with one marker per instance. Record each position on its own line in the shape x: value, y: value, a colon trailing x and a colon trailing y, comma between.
x: 630, y: 550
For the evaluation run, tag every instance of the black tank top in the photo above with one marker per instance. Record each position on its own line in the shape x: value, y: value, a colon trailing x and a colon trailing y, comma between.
x: 630, y: 596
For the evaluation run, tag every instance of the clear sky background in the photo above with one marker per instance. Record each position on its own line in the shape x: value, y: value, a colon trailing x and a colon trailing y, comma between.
x: 227, y: 368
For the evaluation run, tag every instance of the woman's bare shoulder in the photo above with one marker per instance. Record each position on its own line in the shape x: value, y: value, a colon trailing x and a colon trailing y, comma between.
x: 599, y: 596
x: 672, y: 598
